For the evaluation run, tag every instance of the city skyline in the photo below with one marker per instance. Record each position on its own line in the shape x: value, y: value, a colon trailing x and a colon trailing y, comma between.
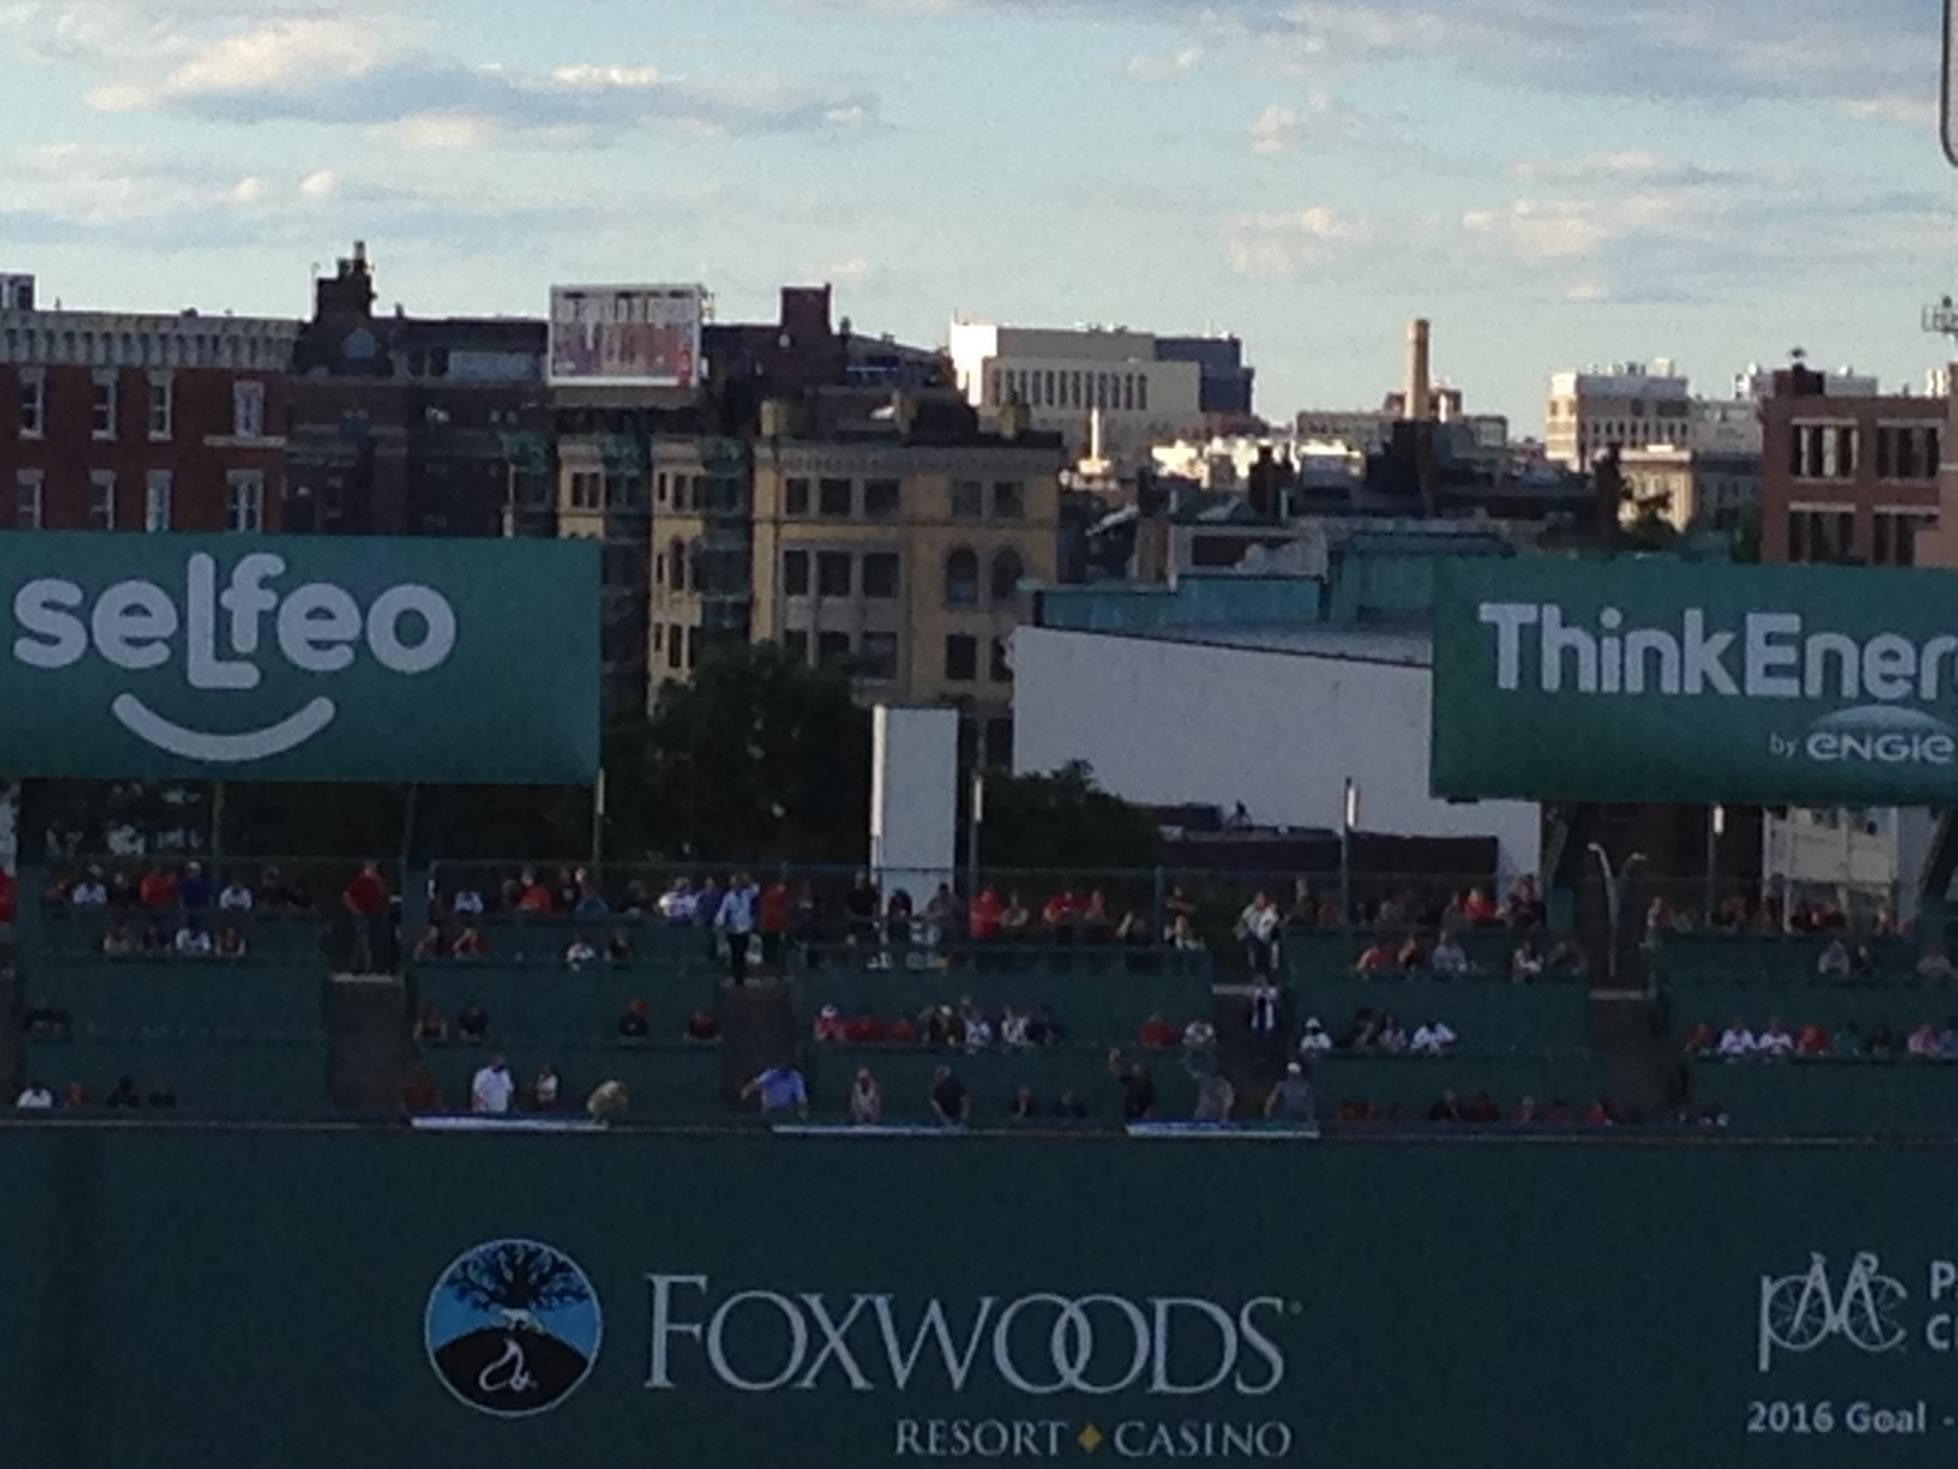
x: 1550, y: 190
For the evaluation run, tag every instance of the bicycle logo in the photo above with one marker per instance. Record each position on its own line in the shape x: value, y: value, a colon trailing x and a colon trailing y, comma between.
x: 1800, y: 1312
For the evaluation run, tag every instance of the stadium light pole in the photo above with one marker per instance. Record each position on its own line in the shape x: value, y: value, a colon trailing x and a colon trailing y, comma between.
x: 1716, y: 828
x: 1349, y: 818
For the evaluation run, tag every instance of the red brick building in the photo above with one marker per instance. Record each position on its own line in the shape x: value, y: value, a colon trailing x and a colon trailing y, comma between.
x: 1848, y: 480
x: 111, y: 421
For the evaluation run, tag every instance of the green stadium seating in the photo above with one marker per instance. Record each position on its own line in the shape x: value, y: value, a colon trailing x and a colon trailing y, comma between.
x: 1488, y: 1014
x: 289, y: 936
x: 224, y: 996
x: 1313, y: 952
x: 1900, y: 1004
x: 1102, y: 1006
x: 668, y: 1082
x: 213, y: 1076
x: 1416, y: 1083
x: 993, y: 1077
x: 1685, y: 958
x: 541, y: 942
x: 1832, y: 1098
x: 550, y: 1002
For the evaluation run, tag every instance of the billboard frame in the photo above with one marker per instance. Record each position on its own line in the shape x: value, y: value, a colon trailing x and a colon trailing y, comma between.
x: 691, y: 303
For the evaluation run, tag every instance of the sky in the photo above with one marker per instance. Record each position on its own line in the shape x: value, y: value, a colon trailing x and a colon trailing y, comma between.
x: 1554, y: 183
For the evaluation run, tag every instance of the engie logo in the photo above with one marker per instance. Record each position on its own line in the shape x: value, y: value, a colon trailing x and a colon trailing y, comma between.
x: 1876, y: 735
x: 513, y: 1327
x: 317, y: 628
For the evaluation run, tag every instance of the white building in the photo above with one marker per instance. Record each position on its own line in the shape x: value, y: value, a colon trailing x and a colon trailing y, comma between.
x: 1102, y: 389
x: 1278, y: 719
x: 1630, y: 405
x: 1757, y: 382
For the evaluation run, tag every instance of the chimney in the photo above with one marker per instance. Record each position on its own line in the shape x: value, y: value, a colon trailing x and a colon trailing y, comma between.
x: 1416, y: 405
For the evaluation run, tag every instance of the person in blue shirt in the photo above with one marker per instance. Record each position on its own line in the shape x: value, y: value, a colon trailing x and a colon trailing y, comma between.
x: 781, y: 1090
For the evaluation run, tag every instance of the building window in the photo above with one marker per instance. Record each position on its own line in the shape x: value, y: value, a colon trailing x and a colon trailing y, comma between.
x: 659, y: 637
x: 1008, y: 569
x: 999, y: 743
x: 102, y: 406
x: 833, y: 574
x: 880, y: 575
x: 1002, y: 669
x: 1128, y: 392
x: 962, y: 579
x: 796, y: 644
x: 1907, y: 451
x: 659, y: 488
x: 102, y: 500
x: 1822, y: 451
x: 693, y: 647
x: 156, y: 500
x: 163, y: 407
x: 795, y: 573
x: 1821, y: 535
x: 625, y: 492
x: 961, y: 658
x: 244, y: 501
x: 1141, y: 406
x: 676, y: 647
x: 877, y: 658
x: 676, y: 564
x: 248, y: 410
x: 587, y: 490
x: 833, y: 649
x: 833, y: 497
x: 968, y: 499
x: 33, y: 404
x: 880, y: 498
x: 795, y: 499
x: 1893, y: 536
x: 1009, y: 500
x: 27, y: 499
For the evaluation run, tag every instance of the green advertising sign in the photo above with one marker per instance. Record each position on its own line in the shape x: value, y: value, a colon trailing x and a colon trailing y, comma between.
x: 299, y: 658
x: 1665, y: 681
x: 313, y: 1300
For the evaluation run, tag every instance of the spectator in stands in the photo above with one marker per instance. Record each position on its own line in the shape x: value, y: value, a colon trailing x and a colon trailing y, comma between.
x: 1178, y: 905
x: 1601, y: 1114
x: 1303, y: 911
x: 1483, y: 1110
x: 1182, y: 935
x: 277, y: 893
x: 1216, y: 1098
x: 1257, y: 927
x: 1376, y: 959
x: 951, y: 1103
x: 193, y: 940
x: 898, y: 917
x: 1044, y: 1029
x: 983, y: 916
x: 634, y: 1024
x: 1264, y: 1007
x: 236, y: 898
x: 1364, y: 1033
x: 1291, y: 1099
x: 1923, y: 1042
x: 588, y: 901
x: 1014, y: 1029
x: 1447, y: 1109
x: 1016, y: 923
x: 231, y: 942
x: 903, y: 1031
x: 1935, y: 965
x: 866, y: 1099
x: 122, y: 892
x: 491, y: 1088
x: 34, y: 1097
x: 472, y: 1024
x: 90, y: 892
x: 978, y: 1029
x: 534, y: 899
x: 124, y: 1094
x: 1813, y: 1041
x: 1025, y: 1106
x: 119, y: 942
x: 1775, y: 1042
x: 1566, y: 959
x: 158, y: 890
x: 1478, y: 909
x: 942, y: 922
x: 1525, y: 964
x: 1449, y: 957
x: 430, y: 1026
x: 1410, y: 957
x: 1737, y: 1042
x: 579, y: 952
x: 544, y: 1090
x: 1393, y: 1039
x: 43, y: 1019
x: 781, y: 1091
x: 736, y: 923
x: 1070, y: 1107
x: 1883, y: 1045
x: 619, y: 948
x: 1834, y: 962
x: 702, y: 1026
x: 366, y: 901
x: 155, y: 940
x: 1057, y: 918
x: 1199, y: 1038
x: 469, y: 944
x: 1433, y: 1039
x: 860, y: 907
x: 467, y: 903
x: 1138, y: 1088
x: 1157, y: 1034
x: 608, y: 1102
x: 1522, y: 907
x: 676, y: 904
x: 1526, y: 1113
x: 1700, y: 1040
x: 829, y: 1029
x: 431, y: 945
x: 1849, y: 1042
x: 1948, y: 1041
x: 772, y: 922
x: 1313, y: 1040
x: 76, y: 1095
x: 194, y: 893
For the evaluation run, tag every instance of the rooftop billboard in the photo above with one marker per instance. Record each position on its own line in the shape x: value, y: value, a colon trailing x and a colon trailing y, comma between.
x: 299, y: 658
x: 1668, y: 681
x: 626, y: 336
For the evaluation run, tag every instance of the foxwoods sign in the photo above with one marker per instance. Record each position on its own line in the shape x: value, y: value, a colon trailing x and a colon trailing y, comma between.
x: 1667, y: 681
x: 299, y: 658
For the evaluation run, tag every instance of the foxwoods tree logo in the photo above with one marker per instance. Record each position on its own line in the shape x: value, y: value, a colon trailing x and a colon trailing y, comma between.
x: 513, y: 1327
x: 1800, y: 1312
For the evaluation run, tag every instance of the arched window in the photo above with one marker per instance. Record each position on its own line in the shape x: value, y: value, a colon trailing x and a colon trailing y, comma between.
x: 1008, y: 569
x: 961, y: 579
x: 676, y: 565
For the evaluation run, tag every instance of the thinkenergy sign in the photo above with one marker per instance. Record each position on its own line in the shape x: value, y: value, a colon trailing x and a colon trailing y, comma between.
x: 1641, y: 680
x: 299, y: 658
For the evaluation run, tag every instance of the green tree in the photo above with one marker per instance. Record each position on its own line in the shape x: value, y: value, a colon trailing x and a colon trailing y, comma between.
x: 1064, y: 820
x: 760, y: 757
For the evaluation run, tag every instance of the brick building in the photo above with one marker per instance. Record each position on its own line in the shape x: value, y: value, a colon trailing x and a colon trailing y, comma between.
x: 113, y: 421
x: 1850, y: 480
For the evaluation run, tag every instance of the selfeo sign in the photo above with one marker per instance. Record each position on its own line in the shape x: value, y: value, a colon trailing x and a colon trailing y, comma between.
x: 299, y: 658
x: 1639, y: 680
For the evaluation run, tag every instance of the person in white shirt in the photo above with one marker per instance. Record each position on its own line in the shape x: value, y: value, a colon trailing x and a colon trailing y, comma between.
x: 1449, y: 957
x: 1258, y: 926
x: 34, y: 1098
x: 468, y: 900
x: 236, y: 898
x: 736, y: 920
x: 89, y: 892
x: 1525, y: 963
x: 1264, y: 1006
x: 579, y: 952
x: 545, y: 1088
x: 192, y: 940
x: 1775, y: 1041
x: 676, y: 904
x: 1737, y: 1041
x: 1935, y: 965
x: 1013, y: 1030
x: 492, y: 1088
x: 1315, y: 1041
x: 1433, y: 1038
x: 1833, y: 962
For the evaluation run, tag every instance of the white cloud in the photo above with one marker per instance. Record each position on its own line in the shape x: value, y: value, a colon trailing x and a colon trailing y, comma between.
x: 321, y: 183
x: 1167, y: 67
x: 1279, y: 243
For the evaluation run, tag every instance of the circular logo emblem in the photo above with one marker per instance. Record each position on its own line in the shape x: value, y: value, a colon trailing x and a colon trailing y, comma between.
x: 513, y: 1327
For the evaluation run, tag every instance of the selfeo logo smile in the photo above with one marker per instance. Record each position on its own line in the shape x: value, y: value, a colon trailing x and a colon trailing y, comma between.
x: 224, y: 636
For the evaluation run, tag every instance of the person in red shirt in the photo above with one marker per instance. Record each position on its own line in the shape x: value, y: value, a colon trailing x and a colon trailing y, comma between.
x: 366, y: 902
x: 9, y: 901
x: 984, y: 916
x: 831, y: 1027
x: 1157, y: 1034
x: 533, y: 896
x: 1378, y: 959
x: 158, y: 890
x: 772, y: 921
x: 1813, y: 1041
x: 1478, y: 909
